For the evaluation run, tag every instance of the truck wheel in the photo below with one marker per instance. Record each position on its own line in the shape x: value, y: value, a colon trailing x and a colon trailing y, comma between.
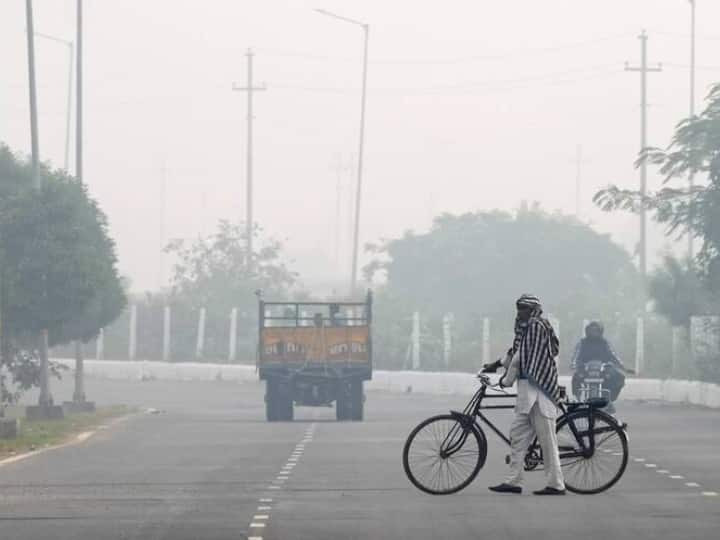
x: 271, y: 401
x: 342, y: 402
x: 357, y: 404
x: 287, y: 409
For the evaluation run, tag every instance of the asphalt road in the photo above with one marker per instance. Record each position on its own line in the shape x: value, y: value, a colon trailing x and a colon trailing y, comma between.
x: 209, y: 467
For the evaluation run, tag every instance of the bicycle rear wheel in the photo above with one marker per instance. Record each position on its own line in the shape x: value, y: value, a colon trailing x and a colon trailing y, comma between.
x: 589, y: 474
x: 441, y: 456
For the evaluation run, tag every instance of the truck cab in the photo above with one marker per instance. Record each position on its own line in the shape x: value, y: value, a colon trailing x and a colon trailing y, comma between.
x: 315, y: 354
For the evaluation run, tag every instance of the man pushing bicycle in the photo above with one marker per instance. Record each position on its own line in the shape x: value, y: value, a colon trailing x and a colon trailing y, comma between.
x: 531, y: 360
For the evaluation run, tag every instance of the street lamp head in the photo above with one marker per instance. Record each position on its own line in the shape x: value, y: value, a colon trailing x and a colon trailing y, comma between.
x: 336, y: 16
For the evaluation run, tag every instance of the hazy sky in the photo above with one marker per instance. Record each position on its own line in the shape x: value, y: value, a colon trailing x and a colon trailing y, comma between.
x: 471, y: 105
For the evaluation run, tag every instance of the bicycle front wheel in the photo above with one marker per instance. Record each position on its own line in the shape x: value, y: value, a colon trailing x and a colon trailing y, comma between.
x: 589, y: 473
x: 441, y: 456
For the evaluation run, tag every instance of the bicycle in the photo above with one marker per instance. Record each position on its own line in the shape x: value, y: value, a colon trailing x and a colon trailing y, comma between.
x: 445, y: 453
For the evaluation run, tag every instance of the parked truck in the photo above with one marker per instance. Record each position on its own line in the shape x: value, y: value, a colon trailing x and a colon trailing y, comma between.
x: 314, y: 354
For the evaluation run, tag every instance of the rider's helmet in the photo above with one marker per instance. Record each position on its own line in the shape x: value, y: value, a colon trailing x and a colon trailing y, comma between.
x: 594, y: 329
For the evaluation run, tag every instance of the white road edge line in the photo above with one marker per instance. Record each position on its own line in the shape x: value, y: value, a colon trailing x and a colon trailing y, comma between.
x: 710, y: 493
x: 692, y: 484
x: 78, y: 439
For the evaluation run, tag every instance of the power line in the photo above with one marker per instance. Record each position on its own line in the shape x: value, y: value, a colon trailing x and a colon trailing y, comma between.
x: 497, y: 85
x: 452, y: 60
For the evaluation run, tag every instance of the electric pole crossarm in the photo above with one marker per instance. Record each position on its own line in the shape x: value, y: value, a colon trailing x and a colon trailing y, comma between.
x: 648, y: 69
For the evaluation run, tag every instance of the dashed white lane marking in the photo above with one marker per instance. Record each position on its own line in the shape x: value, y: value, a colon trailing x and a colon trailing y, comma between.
x: 259, y: 520
x: 674, y: 476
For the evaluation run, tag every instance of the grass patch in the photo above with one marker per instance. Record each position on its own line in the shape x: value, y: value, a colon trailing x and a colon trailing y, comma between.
x: 38, y: 434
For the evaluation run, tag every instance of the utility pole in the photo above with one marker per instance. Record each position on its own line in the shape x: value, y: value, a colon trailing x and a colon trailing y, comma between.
x: 644, y: 70
x: 249, y: 163
x: 691, y: 178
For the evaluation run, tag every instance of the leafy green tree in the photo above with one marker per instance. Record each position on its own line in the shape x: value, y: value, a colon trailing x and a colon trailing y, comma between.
x: 475, y: 265
x: 679, y: 293
x: 694, y: 149
x: 58, y: 265
x: 210, y: 272
x: 682, y: 290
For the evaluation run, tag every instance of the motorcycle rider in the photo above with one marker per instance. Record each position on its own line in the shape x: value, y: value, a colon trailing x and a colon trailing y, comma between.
x: 594, y: 346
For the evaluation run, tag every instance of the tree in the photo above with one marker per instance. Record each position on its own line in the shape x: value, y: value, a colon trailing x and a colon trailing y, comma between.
x: 213, y: 272
x: 678, y: 292
x: 58, y: 261
x: 475, y: 265
x: 694, y: 149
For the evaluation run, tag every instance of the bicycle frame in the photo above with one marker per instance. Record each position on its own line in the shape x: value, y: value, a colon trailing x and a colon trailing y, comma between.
x: 473, y: 411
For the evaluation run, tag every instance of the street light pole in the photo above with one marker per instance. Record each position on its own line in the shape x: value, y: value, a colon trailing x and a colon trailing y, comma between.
x: 35, y: 152
x: 68, y: 113
x: 361, y: 144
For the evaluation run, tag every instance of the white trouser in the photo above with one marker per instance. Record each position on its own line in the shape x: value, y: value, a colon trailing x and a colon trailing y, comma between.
x: 522, y: 433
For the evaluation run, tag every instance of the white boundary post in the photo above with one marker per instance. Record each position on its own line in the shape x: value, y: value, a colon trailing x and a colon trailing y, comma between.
x: 640, y: 346
x: 132, y: 340
x: 100, y: 345
x: 676, y: 339
x: 447, y: 338
x: 416, y: 341
x: 486, y: 341
x: 200, y: 346
x: 233, y: 336
x: 166, y: 334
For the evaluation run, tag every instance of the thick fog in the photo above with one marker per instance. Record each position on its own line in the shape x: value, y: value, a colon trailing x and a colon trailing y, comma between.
x: 471, y: 105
